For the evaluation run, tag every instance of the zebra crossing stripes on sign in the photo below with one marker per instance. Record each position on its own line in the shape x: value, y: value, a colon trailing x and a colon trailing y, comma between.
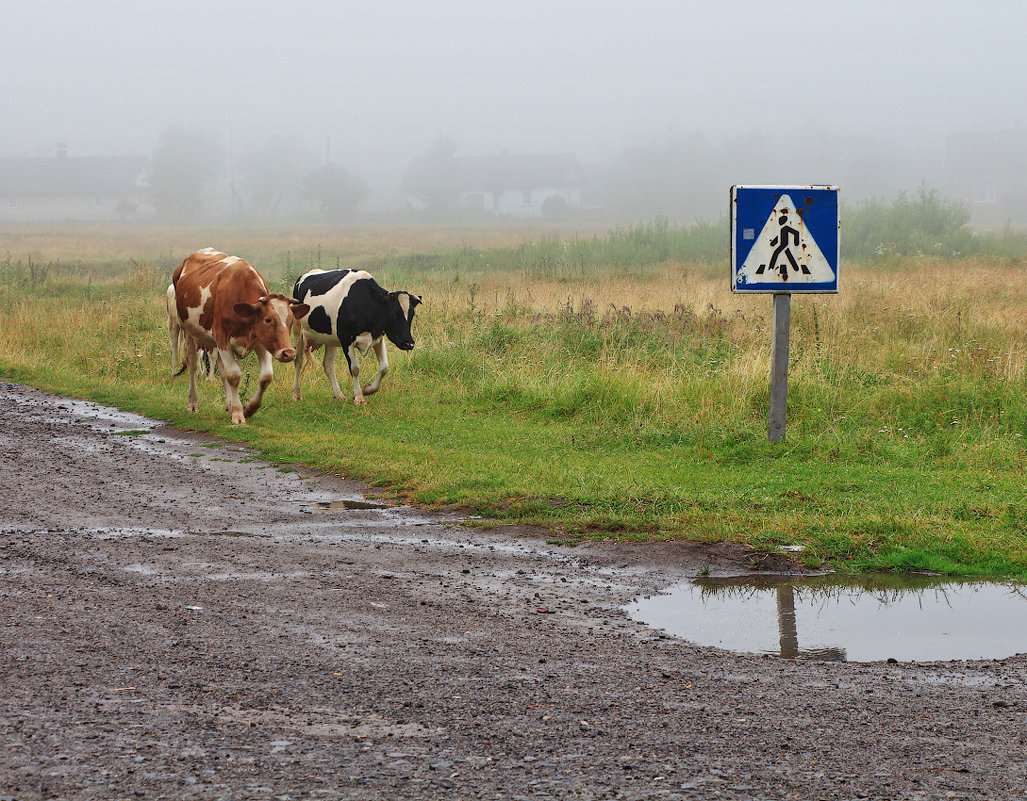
x: 784, y: 239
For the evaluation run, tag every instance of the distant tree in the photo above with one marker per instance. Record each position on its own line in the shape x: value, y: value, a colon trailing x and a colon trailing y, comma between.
x: 674, y: 175
x: 336, y: 190
x: 433, y: 178
x: 275, y: 172
x: 184, y: 163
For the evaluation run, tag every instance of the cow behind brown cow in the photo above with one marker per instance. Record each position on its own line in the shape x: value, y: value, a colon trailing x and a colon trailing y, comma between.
x: 223, y: 303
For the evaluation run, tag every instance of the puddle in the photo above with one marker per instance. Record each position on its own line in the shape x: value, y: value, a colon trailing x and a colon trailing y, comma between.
x: 258, y: 576
x: 89, y: 412
x: 363, y: 532
x: 906, y: 618
x: 330, y: 506
x: 224, y: 534
x: 145, y: 570
x: 134, y: 533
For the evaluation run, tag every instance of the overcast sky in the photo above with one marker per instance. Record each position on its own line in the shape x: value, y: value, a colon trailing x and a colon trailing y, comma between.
x: 383, y: 79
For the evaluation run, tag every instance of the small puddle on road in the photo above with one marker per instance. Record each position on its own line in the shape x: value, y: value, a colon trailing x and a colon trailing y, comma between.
x: 333, y: 506
x: 224, y: 534
x: 865, y: 619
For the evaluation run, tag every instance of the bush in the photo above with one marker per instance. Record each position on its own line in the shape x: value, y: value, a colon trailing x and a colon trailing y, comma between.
x: 927, y: 225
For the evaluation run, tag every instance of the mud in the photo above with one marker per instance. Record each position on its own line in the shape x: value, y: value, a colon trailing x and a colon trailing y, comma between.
x: 179, y: 619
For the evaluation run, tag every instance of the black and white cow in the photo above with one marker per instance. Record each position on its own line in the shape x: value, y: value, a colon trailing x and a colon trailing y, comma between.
x: 349, y: 310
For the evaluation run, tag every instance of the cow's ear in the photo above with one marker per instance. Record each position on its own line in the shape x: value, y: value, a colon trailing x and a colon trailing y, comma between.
x: 414, y: 300
x: 299, y: 310
x: 246, y: 309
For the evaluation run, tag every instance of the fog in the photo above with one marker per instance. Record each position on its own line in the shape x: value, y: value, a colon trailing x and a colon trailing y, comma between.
x: 860, y: 94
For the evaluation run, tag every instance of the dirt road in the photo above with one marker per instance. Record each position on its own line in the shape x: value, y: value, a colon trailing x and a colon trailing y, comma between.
x: 180, y: 620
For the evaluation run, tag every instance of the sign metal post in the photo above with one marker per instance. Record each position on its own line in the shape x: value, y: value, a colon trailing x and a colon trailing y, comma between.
x: 779, y: 365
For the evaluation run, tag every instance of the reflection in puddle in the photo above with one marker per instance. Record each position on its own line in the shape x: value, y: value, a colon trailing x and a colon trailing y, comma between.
x: 860, y: 619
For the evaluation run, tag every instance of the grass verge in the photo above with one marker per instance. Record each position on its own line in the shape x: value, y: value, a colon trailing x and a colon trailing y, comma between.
x: 629, y: 404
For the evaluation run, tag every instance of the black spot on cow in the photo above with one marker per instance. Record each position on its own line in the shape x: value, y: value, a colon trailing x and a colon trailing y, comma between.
x: 318, y: 283
x: 319, y: 320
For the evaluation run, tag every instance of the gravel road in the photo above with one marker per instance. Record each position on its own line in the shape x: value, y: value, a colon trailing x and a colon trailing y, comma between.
x: 180, y: 620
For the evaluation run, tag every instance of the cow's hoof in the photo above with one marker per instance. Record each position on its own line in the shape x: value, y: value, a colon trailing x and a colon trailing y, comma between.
x: 297, y: 396
x: 238, y: 420
x: 193, y: 407
x: 359, y: 401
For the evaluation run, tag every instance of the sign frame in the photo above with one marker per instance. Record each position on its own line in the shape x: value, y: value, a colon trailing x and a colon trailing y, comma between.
x: 817, y: 224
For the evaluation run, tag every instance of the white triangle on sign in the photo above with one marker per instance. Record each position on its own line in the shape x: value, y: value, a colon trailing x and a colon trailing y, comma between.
x: 785, y: 252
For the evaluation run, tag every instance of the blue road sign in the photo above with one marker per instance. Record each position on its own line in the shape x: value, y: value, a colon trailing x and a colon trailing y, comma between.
x: 784, y: 239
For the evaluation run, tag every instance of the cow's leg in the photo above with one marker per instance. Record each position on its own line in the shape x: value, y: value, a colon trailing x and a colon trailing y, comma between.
x: 267, y: 373
x: 231, y: 374
x: 193, y: 403
x: 383, y: 367
x: 329, y: 365
x: 357, y: 348
x: 301, y: 347
x: 353, y: 357
x: 227, y: 386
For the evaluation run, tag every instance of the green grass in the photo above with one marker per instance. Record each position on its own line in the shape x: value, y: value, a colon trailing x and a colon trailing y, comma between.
x: 599, y: 404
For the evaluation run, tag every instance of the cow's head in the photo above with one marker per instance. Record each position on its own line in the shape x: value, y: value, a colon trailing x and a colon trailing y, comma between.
x: 400, y: 316
x: 271, y: 317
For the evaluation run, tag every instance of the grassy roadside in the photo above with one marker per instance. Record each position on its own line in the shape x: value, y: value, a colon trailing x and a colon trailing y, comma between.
x: 630, y: 403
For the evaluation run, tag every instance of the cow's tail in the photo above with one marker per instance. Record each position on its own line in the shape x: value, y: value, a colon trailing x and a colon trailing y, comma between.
x: 208, y: 371
x: 185, y: 343
x: 182, y: 343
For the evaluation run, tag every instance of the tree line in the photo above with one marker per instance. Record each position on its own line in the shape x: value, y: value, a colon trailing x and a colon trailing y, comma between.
x: 280, y: 178
x: 678, y: 176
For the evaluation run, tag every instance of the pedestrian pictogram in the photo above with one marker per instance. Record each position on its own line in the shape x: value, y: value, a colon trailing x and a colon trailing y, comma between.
x: 784, y: 239
x: 783, y: 242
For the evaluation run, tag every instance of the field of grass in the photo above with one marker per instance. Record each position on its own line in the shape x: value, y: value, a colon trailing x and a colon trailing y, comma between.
x: 599, y: 395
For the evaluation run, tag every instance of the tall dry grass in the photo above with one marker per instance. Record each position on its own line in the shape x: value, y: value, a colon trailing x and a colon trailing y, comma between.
x: 930, y: 316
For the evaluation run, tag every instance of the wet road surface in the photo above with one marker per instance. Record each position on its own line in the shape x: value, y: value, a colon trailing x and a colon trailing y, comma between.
x: 180, y: 620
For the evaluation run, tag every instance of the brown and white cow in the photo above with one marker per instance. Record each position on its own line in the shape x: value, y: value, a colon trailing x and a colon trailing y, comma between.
x: 223, y: 303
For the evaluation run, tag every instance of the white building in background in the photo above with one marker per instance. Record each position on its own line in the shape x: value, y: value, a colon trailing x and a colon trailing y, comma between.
x: 63, y: 188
